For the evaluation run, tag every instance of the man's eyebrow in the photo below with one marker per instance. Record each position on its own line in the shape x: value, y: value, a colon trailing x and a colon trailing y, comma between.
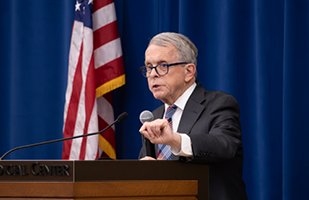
x: 159, y: 62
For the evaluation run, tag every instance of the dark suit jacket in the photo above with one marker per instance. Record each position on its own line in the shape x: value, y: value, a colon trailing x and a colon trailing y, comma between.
x: 211, y: 119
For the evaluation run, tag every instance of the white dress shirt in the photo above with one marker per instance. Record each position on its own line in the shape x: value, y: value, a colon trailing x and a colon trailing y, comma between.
x: 186, y: 149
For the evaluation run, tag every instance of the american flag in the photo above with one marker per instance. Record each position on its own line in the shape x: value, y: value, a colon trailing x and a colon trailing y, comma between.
x: 95, y: 69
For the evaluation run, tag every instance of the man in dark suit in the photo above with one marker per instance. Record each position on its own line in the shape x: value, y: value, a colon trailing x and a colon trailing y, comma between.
x: 199, y: 125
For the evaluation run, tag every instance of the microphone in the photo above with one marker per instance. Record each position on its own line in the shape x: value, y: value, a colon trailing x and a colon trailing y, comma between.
x: 147, y: 116
x: 120, y: 118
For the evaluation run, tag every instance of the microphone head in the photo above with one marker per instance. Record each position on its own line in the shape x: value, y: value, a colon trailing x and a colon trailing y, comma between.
x: 122, y: 116
x: 146, y: 116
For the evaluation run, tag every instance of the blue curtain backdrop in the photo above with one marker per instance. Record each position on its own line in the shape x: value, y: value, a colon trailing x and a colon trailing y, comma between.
x: 256, y: 50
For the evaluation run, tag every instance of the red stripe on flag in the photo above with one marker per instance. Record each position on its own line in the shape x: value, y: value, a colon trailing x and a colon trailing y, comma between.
x: 105, y: 34
x: 99, y: 4
x: 109, y: 134
x: 109, y: 97
x: 89, y: 104
x: 109, y: 71
x: 70, y: 120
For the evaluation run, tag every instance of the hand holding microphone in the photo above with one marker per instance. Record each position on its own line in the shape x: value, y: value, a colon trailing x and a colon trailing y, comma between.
x: 147, y: 116
x: 159, y: 132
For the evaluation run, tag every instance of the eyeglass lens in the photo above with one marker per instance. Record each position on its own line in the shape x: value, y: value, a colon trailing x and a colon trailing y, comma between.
x: 161, y: 69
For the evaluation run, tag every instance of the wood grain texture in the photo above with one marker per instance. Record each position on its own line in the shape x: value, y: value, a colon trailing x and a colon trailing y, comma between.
x: 158, y: 189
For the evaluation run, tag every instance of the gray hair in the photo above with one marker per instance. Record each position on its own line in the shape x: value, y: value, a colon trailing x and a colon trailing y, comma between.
x: 187, y: 51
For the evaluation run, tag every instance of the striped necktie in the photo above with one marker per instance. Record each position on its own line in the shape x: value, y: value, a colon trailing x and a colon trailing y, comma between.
x: 164, y: 151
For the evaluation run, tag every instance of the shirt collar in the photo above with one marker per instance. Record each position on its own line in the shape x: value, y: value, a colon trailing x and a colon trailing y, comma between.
x: 182, y: 100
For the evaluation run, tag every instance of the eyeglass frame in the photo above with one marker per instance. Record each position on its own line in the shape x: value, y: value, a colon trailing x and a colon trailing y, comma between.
x: 161, y: 64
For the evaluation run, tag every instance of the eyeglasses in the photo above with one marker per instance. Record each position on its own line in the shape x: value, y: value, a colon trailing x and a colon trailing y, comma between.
x: 161, y: 69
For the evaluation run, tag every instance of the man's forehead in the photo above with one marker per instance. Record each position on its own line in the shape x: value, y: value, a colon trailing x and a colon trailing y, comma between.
x: 155, y: 51
x: 165, y: 46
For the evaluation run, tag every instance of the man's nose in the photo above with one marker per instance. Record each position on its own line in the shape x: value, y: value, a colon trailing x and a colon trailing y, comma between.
x: 153, y: 73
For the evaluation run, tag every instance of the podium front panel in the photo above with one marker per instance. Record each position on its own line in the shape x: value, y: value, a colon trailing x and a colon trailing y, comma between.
x: 49, y: 174
x: 144, y: 170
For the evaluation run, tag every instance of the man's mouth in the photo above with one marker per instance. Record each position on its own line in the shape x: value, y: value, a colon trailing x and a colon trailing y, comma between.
x: 156, y: 86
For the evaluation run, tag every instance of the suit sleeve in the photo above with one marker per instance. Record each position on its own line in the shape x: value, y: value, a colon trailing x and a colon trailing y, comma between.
x: 216, y: 135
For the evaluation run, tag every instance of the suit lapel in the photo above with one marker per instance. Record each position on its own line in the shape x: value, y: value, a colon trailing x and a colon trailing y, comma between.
x: 193, y: 110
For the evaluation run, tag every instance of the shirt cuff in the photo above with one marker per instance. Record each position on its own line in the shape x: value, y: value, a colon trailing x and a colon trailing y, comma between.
x: 186, y: 149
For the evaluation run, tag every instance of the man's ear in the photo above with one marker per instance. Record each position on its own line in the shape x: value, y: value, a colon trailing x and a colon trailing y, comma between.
x: 190, y: 72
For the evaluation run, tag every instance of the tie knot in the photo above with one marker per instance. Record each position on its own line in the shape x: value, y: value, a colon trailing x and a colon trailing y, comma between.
x: 173, y: 106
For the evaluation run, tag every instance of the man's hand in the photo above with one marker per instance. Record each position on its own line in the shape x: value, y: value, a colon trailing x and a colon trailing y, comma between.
x: 159, y: 132
x: 148, y: 158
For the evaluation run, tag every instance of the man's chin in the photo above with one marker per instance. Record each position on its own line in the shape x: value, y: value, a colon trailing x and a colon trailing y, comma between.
x: 161, y: 98
x: 157, y: 96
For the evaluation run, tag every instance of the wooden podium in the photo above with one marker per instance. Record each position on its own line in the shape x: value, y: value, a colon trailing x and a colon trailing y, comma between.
x: 104, y: 179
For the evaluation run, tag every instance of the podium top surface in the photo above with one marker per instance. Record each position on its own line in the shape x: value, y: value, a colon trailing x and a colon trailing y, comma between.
x: 81, y: 171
